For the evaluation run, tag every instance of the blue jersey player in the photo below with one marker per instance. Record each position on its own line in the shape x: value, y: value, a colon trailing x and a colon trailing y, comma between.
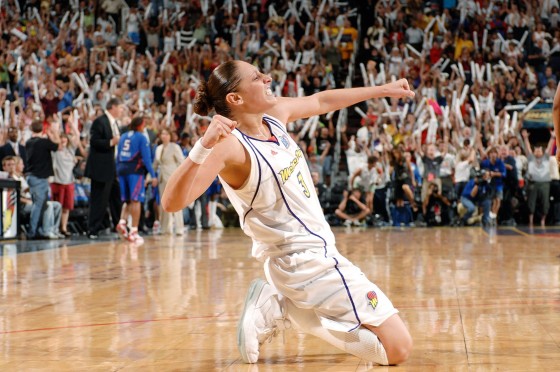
x: 134, y: 158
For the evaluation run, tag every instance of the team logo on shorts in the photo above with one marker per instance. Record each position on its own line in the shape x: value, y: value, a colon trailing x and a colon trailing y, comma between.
x: 372, y: 297
x: 285, y: 141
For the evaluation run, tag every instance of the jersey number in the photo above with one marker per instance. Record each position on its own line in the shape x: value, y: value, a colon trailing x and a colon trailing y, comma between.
x: 126, y: 145
x: 302, y: 183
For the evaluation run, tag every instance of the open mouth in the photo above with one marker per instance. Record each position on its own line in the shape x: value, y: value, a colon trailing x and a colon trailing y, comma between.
x: 268, y: 91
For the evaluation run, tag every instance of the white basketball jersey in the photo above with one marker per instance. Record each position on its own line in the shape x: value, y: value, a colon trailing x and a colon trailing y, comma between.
x: 278, y: 206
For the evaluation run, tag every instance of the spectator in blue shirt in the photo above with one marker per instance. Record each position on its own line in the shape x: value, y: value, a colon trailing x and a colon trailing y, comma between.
x: 497, y: 170
x: 477, y: 193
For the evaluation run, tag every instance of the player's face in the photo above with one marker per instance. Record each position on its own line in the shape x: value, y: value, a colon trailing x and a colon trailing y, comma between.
x: 254, y: 88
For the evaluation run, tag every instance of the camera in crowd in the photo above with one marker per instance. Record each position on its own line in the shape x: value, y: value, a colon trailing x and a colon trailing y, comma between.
x: 481, y: 175
x: 435, y: 189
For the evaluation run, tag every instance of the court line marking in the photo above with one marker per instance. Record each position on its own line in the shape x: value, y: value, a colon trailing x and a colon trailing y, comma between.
x: 109, y: 324
x: 443, y: 308
x: 522, y: 232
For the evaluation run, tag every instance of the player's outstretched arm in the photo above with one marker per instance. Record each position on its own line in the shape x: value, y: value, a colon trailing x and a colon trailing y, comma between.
x: 556, y: 119
x: 290, y: 109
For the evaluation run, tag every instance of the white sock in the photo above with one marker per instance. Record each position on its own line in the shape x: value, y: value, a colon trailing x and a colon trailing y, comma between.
x: 361, y: 342
x: 122, y: 221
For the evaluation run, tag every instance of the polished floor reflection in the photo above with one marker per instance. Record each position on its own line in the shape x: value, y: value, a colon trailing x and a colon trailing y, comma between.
x: 474, y: 300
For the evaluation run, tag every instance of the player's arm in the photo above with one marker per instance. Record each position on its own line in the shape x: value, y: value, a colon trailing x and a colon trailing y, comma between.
x: 550, y: 143
x: 146, y: 156
x: 290, y: 109
x: 191, y: 179
x: 556, y: 117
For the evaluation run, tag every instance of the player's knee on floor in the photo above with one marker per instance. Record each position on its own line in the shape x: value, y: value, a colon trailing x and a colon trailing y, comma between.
x: 399, y: 354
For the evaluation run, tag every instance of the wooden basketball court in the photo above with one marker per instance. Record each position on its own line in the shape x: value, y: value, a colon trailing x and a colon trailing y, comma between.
x: 474, y: 300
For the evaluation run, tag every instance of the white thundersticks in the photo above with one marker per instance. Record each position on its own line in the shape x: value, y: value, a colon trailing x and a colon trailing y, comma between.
x: 260, y: 321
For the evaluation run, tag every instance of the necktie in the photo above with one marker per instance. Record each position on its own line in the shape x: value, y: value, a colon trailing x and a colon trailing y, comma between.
x: 115, y: 128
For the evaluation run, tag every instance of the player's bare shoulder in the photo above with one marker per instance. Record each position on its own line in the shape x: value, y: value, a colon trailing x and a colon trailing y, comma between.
x: 232, y: 151
x: 237, y: 162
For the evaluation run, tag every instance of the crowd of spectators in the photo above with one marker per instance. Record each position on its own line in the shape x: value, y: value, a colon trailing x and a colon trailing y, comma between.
x: 456, y: 154
x: 478, y: 68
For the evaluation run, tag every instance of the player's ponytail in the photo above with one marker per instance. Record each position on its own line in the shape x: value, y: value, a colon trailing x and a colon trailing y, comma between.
x: 211, y: 95
x: 202, y: 104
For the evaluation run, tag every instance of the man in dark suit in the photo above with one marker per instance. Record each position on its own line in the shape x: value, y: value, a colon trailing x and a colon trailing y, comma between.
x: 13, y: 147
x: 101, y: 169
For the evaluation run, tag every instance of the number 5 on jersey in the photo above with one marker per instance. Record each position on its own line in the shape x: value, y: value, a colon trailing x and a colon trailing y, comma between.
x: 126, y: 145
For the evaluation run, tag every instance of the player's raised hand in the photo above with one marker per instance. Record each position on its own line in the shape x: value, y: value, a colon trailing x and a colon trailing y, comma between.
x: 219, y: 129
x: 399, y: 89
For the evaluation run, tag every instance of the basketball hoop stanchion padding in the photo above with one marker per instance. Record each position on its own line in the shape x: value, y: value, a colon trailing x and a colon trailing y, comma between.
x: 10, y: 226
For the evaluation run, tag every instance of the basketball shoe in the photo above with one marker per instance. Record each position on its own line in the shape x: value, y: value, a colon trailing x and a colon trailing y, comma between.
x: 156, y: 229
x: 260, y: 321
x: 134, y: 237
x: 122, y: 230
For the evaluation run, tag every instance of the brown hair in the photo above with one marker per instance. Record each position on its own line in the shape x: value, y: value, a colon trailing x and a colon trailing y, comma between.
x: 372, y: 159
x: 164, y: 130
x: 211, y: 95
x: 64, y: 135
x: 7, y: 159
x: 136, y: 122
x: 37, y: 126
x: 115, y: 101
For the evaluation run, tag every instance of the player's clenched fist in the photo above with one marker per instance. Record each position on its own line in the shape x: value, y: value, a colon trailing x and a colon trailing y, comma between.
x: 399, y: 89
x: 220, y: 127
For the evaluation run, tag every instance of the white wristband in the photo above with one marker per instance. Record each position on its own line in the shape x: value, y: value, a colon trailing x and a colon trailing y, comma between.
x: 199, y: 153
